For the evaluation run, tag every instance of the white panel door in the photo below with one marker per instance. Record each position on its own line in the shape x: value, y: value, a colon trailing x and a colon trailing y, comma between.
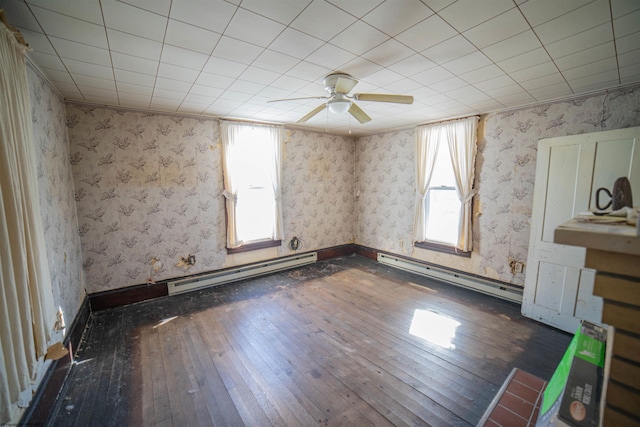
x: 558, y: 289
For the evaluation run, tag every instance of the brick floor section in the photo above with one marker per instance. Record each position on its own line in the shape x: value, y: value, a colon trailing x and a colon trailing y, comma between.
x: 517, y: 403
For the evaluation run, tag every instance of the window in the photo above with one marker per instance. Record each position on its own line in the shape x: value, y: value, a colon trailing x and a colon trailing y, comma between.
x: 445, y: 158
x: 252, y: 178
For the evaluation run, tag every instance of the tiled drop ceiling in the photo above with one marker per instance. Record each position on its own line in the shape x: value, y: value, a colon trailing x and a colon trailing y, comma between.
x: 228, y: 58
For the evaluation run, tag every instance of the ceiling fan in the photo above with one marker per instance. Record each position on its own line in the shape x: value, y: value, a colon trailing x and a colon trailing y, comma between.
x: 338, y: 86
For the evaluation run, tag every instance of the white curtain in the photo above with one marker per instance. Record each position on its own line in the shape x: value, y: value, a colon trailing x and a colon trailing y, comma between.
x: 232, y: 135
x: 461, y: 136
x: 276, y: 135
x: 27, y: 312
x: 427, y: 138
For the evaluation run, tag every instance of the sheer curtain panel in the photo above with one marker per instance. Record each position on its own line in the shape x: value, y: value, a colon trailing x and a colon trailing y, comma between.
x: 27, y: 312
x: 427, y: 138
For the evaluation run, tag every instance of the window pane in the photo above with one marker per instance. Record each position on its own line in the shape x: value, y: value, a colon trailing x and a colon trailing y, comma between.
x: 442, y: 168
x: 443, y: 215
x: 255, y: 214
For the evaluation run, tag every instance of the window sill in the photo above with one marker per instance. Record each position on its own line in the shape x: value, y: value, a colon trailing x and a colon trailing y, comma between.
x: 263, y: 244
x: 439, y: 247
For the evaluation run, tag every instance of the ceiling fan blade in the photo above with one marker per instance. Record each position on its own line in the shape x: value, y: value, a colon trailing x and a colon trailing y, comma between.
x: 312, y: 113
x: 296, y: 99
x: 358, y: 113
x: 378, y: 97
x: 345, y: 85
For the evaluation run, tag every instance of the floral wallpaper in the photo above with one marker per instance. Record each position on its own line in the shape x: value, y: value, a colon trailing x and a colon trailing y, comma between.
x: 56, y: 188
x: 505, y: 178
x: 149, y: 186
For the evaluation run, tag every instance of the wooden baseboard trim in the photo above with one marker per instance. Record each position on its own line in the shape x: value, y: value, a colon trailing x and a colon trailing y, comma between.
x: 335, y: 252
x: 45, y: 397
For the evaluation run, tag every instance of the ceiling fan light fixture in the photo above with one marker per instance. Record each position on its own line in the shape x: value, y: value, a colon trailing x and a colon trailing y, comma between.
x: 339, y: 106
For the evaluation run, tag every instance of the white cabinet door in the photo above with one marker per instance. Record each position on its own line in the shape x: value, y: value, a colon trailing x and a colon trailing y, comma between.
x: 558, y: 289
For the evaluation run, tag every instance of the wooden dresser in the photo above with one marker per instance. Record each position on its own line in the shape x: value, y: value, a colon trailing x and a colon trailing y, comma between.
x: 614, y: 252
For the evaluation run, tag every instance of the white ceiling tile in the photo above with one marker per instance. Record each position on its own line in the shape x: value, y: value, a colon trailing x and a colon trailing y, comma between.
x: 289, y: 83
x: 134, y: 89
x: 132, y: 77
x: 134, y: 100
x: 123, y: 17
x: 500, y: 28
x: 630, y: 74
x: 134, y: 45
x: 595, y: 81
x: 513, y: 46
x: 495, y: 83
x: 88, y: 81
x: 183, y: 58
x: 20, y: 16
x: 275, y: 61
x: 197, y: 98
x: 330, y: 56
x: 161, y: 7
x: 294, y: 43
x: 68, y: 28
x: 48, y: 61
x: 93, y: 70
x: 427, y: 33
x: 628, y: 43
x: 382, y: 78
x: 388, y: 53
x: 445, y: 86
x: 360, y: 68
x: 438, y: 5
x: 322, y: 20
x: 467, y: 63
x: 574, y: 22
x: 465, y: 14
x: 174, y: 72
x: 190, y: 37
x: 309, y: 71
x: 283, y: 11
x: 584, y: 40
x: 597, y: 67
x: 213, y: 15
x: 540, y: 11
x: 357, y: 8
x: 468, y: 93
x: 57, y: 75
x: 402, y: 86
x: 392, y: 20
x: 481, y: 74
x: 627, y: 24
x: 236, y: 50
x: 70, y: 91
x: 243, y: 86
x: 235, y: 96
x: 515, y: 99
x: 596, y: 53
x: 81, y: 52
x: 359, y: 38
x: 258, y: 75
x: 412, y: 65
x: 224, y: 67
x: 192, y: 107
x: 629, y: 58
x: 174, y: 85
x: 431, y: 76
x: 253, y: 28
x: 214, y: 81
x: 100, y: 95
x: 535, y: 71
x: 165, y: 104
x: 551, y: 92
x: 38, y: 41
x: 453, y: 48
x: 88, y: 10
x: 134, y: 63
x: 544, y: 81
x: 211, y: 92
x: 623, y: 7
x: 526, y: 60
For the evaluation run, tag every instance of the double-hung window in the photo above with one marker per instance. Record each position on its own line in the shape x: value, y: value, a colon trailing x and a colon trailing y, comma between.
x: 252, y: 180
x: 445, y: 157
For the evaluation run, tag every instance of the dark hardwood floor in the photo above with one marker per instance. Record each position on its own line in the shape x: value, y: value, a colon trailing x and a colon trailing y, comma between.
x: 340, y: 342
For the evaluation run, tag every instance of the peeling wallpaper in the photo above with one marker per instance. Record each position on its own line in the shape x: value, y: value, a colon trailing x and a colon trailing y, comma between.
x: 149, y: 185
x: 505, y: 178
x: 55, y: 185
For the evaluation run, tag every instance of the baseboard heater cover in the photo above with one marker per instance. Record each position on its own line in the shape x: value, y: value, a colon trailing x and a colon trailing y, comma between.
x: 504, y: 291
x: 234, y: 274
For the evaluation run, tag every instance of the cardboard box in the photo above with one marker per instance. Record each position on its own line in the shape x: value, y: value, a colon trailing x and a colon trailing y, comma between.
x: 574, y: 393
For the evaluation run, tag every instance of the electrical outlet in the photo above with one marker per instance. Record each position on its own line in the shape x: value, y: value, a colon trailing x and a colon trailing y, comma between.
x: 516, y: 266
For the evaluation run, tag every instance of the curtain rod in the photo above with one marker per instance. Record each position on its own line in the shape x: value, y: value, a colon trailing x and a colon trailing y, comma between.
x: 14, y: 30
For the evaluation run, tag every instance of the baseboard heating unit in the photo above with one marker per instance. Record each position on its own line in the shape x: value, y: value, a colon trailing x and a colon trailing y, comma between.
x: 234, y: 274
x: 495, y: 288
